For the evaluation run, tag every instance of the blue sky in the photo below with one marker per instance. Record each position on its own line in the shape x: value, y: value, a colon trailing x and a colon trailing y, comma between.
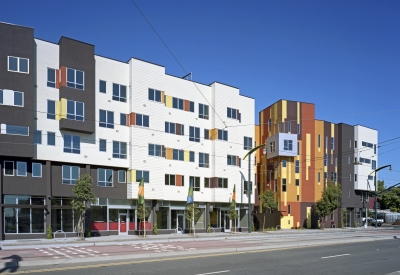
x: 343, y: 56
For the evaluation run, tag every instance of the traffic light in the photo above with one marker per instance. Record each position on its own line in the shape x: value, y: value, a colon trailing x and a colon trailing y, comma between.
x: 377, y: 205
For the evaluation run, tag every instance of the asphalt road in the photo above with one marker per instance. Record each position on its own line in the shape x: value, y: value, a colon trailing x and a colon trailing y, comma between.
x: 374, y: 257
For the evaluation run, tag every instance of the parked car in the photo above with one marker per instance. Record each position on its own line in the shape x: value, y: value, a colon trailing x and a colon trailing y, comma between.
x: 372, y: 221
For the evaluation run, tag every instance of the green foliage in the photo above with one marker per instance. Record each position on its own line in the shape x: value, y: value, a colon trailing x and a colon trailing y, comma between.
x: 88, y: 232
x: 329, y: 201
x: 142, y: 215
x: 83, y: 198
x: 155, y: 229
x: 208, y: 228
x: 190, y: 208
x: 267, y: 199
x: 232, y: 213
x: 343, y: 216
x: 253, y: 228
x: 49, y: 232
x: 389, y: 199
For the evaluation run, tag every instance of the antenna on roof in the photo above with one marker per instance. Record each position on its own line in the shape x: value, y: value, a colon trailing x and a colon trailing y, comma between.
x: 188, y: 76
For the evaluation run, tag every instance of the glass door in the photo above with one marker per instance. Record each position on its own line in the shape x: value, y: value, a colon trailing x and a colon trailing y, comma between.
x: 180, y: 224
x: 227, y: 223
x: 122, y: 222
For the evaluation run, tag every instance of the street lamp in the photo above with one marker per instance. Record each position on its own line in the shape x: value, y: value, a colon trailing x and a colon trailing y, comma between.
x: 376, y: 193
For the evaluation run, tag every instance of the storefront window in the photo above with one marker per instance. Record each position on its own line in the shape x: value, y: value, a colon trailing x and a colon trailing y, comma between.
x: 113, y: 219
x: 98, y: 216
x: 214, y: 221
x: 162, y: 218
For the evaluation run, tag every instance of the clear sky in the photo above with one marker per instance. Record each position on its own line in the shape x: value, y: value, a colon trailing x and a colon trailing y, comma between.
x: 343, y: 56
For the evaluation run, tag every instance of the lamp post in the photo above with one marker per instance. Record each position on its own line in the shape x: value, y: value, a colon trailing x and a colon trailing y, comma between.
x: 376, y: 192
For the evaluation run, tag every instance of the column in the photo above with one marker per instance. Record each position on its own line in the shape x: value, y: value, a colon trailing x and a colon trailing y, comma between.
x: 47, y: 172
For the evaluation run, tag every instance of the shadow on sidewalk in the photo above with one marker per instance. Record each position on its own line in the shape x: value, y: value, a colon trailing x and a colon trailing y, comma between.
x: 13, y: 265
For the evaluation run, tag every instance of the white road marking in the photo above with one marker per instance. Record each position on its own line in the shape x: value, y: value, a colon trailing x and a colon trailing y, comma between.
x: 341, y: 255
x: 216, y: 272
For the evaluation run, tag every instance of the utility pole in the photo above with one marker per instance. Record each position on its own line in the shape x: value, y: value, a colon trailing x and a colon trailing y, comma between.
x: 249, y: 212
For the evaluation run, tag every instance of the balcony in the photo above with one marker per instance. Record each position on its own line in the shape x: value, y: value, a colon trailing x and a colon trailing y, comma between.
x: 282, y: 145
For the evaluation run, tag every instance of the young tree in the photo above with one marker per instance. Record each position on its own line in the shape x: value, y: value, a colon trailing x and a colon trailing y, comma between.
x: 329, y: 201
x: 142, y: 212
x: 83, y: 198
x: 190, y: 209
x: 391, y: 199
x: 232, y: 214
x: 267, y: 199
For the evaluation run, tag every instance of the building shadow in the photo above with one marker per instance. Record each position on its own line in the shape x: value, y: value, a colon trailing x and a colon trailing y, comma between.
x: 12, y: 265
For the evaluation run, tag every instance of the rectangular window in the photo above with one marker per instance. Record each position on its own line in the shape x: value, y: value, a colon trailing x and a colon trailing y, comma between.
x: 206, y: 182
x: 174, y: 128
x: 247, y: 143
x: 272, y: 146
x: 37, y: 137
x: 155, y: 150
x: 231, y: 160
x: 333, y: 143
x: 191, y: 106
x: 51, y: 109
x: 355, y: 144
x: 21, y: 169
x: 348, y: 194
x: 36, y: 170
x: 154, y: 95
x: 374, y: 149
x: 348, y: 160
x: 298, y: 148
x: 72, y: 144
x: 142, y: 120
x: 284, y: 163
x: 298, y: 197
x: 206, y: 134
x: 177, y: 103
x: 191, y: 156
x: 350, y: 143
x: 289, y: 126
x: 319, y: 141
x: 145, y: 175
x: 70, y: 174
x: 196, y: 183
x: 203, y: 111
x: 298, y: 129
x: 106, y: 119
x: 350, y: 177
x: 103, y: 145
x: 370, y: 177
x: 325, y: 159
x: 119, y: 92
x: 51, y: 78
x: 223, y: 135
x: 178, y: 154
x: 204, y: 160
x: 232, y: 113
x: 326, y: 142
x: 283, y: 127
x: 222, y: 183
x: 17, y: 130
x: 75, y: 110
x: 283, y: 185
x: 288, y: 209
x: 8, y: 168
x: 325, y: 175
x: 169, y: 179
x: 297, y: 182
x: 104, y: 177
x: 18, y: 99
x: 194, y: 134
x: 319, y: 177
x: 297, y: 168
x: 119, y: 149
x: 122, y: 120
x: 373, y: 164
x: 121, y: 176
x: 288, y: 145
x: 18, y: 64
x: 331, y: 159
x: 75, y: 79
x: 102, y: 86
x: 1, y: 96
x: 269, y: 125
x: 51, y: 138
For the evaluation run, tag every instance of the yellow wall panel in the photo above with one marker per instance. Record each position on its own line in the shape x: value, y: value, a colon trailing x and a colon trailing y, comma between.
x: 186, y: 155
x: 287, y: 222
x: 308, y: 153
x: 168, y: 100
x: 132, y: 174
x: 168, y: 153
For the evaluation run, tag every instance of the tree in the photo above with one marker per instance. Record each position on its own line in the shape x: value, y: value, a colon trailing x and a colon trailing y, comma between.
x: 267, y: 199
x: 142, y: 212
x: 391, y: 199
x: 232, y: 214
x: 83, y: 198
x: 329, y: 201
x: 190, y: 209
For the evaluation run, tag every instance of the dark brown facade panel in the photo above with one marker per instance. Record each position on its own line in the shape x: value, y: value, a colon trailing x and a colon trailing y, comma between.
x: 214, y: 182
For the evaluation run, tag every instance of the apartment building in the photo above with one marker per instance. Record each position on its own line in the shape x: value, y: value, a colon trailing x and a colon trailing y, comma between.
x: 302, y: 153
x: 66, y: 111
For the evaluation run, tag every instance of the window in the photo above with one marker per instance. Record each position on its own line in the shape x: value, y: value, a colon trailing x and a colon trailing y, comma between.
x: 102, y: 86
x: 196, y: 183
x: 70, y: 174
x: 231, y: 160
x: 204, y: 160
x: 142, y: 120
x: 348, y: 194
x: 333, y: 143
x: 298, y: 129
x: 36, y: 170
x: 75, y: 79
x: 121, y: 176
x: 367, y: 144
x: 350, y: 177
x: 331, y: 159
x: 104, y: 177
x: 72, y: 144
x: 177, y: 103
x: 222, y: 183
x: 269, y: 125
x: 325, y: 159
x: 373, y: 164
x: 288, y: 209
x: 319, y: 177
x: 275, y: 186
x: 178, y: 154
x: 122, y: 120
x: 51, y: 109
x: 374, y: 149
x: 283, y: 185
x: 169, y: 179
x: 155, y: 150
x: 21, y: 169
x: 75, y: 110
x: 298, y: 148
x: 8, y: 168
x: 232, y: 113
x: 119, y: 92
x: 37, y: 137
x: 298, y: 197
x: 1, y: 96
x: 17, y: 130
x: 154, y: 95
x: 350, y: 143
x: 297, y: 168
x: 203, y: 111
x: 355, y: 177
x: 272, y: 146
x: 106, y: 119
x: 223, y: 135
x: 18, y: 99
x: 206, y: 182
x: 191, y: 156
x: 370, y: 177
x: 103, y: 145
x: 319, y: 141
x: 206, y: 134
x: 325, y: 175
x: 191, y: 106
x: 245, y: 187
x: 297, y: 182
x: 145, y: 175
x: 348, y: 160
x: 283, y: 127
x: 194, y: 134
x: 51, y: 78
x: 119, y: 149
x: 326, y: 142
x: 174, y: 128
x: 355, y: 144
x: 288, y: 145
x: 283, y: 163
x: 18, y: 64
x: 51, y: 138
x: 247, y: 143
